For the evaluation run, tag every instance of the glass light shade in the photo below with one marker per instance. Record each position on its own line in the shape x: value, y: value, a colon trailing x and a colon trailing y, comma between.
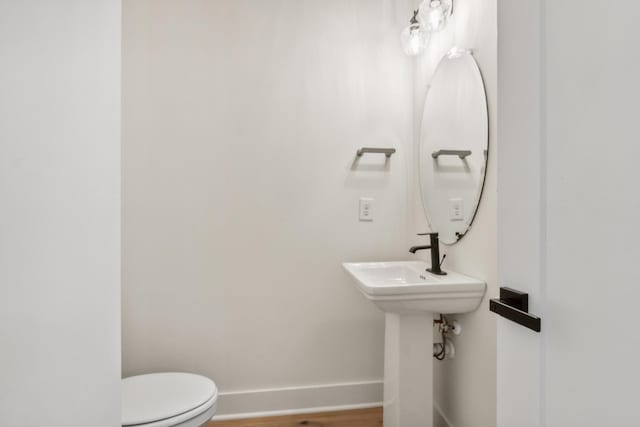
x: 433, y: 14
x: 414, y: 39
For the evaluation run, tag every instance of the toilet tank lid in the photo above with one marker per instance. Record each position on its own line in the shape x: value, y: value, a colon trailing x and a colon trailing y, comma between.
x: 153, y: 397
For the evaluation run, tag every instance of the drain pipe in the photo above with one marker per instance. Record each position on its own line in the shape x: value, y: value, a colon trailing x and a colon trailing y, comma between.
x: 449, y: 350
x: 444, y: 349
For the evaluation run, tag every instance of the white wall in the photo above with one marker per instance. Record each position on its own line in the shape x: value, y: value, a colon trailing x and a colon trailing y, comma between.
x: 60, y: 214
x: 465, y: 387
x: 240, y: 196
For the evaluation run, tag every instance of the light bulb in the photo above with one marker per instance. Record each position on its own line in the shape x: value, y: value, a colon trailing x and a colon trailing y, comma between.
x: 433, y: 14
x: 413, y: 38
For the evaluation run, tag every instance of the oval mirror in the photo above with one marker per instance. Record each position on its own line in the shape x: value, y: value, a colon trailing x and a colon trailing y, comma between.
x: 454, y: 144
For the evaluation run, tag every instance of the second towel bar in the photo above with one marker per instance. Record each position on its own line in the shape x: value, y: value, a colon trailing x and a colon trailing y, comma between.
x: 460, y: 153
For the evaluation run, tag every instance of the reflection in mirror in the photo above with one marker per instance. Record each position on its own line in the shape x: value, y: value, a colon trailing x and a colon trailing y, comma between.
x: 453, y: 145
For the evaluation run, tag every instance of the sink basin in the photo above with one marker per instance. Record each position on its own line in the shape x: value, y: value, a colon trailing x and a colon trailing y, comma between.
x: 406, y: 287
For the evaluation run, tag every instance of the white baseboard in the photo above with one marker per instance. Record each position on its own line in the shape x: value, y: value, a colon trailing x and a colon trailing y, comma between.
x: 298, y: 400
x: 441, y: 419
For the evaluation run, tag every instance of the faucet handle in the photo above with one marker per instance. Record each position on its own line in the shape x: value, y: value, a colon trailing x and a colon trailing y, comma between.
x: 433, y: 233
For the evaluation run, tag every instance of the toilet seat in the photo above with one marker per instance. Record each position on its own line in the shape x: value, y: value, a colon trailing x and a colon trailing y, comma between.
x: 167, y: 399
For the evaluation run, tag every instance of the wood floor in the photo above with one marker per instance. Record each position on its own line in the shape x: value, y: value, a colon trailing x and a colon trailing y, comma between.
x: 356, y: 418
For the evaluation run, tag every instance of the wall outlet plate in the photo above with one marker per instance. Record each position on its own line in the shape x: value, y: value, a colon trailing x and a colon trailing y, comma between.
x: 366, y: 209
x: 456, y: 209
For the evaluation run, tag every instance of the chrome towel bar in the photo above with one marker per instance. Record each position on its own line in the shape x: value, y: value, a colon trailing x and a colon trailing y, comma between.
x: 386, y: 151
x: 460, y: 153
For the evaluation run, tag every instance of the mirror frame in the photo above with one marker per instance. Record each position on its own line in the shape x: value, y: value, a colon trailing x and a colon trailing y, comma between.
x: 452, y: 53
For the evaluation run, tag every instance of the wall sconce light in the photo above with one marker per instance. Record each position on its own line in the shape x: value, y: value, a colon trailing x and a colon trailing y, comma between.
x: 414, y: 38
x: 431, y: 16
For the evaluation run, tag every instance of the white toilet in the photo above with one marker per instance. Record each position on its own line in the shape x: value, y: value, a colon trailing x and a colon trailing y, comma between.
x: 170, y: 399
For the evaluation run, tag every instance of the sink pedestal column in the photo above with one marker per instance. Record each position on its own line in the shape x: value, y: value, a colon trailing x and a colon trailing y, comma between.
x: 408, y: 370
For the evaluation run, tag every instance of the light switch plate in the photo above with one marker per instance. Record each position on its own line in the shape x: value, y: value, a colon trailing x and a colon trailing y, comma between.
x: 366, y: 209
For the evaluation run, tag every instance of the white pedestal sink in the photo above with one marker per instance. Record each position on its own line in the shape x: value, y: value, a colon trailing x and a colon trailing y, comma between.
x: 410, y: 296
